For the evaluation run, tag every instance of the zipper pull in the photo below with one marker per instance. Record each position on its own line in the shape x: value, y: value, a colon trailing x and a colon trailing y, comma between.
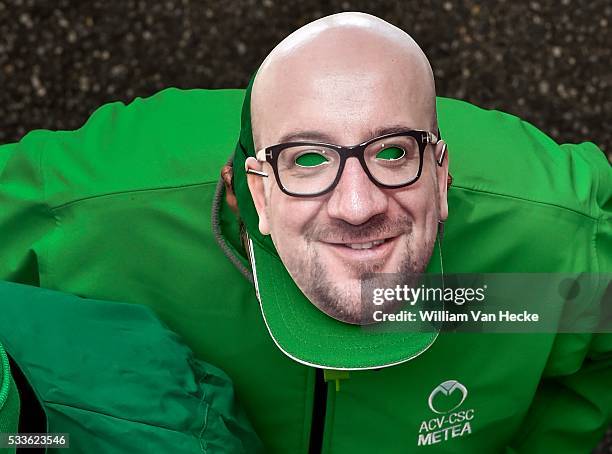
x: 335, y: 375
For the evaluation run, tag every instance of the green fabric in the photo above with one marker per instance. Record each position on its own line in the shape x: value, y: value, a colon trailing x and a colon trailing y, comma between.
x: 120, y: 210
x: 244, y: 148
x: 117, y: 380
x: 9, y: 398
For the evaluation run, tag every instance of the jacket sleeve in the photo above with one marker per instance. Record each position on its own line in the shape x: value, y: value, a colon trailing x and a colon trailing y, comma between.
x: 570, y: 413
x: 573, y: 404
x: 24, y: 215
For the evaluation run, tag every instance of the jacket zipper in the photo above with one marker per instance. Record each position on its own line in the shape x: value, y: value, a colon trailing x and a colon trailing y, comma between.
x: 317, y: 426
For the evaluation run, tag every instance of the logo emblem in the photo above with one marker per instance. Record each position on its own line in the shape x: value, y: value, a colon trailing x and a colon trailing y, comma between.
x: 451, y: 389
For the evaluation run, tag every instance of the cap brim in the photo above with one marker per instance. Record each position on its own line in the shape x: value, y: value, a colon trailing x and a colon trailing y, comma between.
x: 309, y: 336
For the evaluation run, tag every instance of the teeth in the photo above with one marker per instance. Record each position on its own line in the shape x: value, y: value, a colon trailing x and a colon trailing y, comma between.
x: 365, y: 245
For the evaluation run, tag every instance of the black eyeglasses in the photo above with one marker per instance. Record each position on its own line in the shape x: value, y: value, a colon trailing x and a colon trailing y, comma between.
x: 309, y: 169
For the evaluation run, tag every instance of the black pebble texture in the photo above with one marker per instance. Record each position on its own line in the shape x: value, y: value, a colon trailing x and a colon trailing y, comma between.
x: 547, y: 61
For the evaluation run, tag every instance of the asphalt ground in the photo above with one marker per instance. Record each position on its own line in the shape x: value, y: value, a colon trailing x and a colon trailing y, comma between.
x: 545, y: 61
x: 548, y: 62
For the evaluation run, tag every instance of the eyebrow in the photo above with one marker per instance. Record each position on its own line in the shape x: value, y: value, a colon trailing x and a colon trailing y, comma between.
x: 320, y: 136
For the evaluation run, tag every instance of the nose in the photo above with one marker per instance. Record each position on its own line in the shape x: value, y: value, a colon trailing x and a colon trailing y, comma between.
x: 356, y: 199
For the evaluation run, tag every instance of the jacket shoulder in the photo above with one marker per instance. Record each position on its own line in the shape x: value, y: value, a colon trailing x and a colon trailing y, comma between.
x: 173, y: 139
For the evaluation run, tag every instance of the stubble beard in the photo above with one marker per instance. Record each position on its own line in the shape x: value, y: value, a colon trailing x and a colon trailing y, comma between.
x: 343, y: 301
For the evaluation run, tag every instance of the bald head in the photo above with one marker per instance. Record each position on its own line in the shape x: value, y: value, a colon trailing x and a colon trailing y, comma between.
x: 339, y: 72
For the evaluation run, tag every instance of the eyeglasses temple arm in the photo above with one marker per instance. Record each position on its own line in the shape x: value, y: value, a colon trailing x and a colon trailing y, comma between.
x: 256, y: 172
x: 433, y: 139
x: 260, y: 156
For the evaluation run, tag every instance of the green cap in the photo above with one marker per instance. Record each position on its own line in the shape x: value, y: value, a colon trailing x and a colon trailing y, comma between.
x: 298, y: 327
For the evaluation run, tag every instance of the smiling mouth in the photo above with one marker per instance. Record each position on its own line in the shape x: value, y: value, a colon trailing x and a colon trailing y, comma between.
x: 359, y: 255
x: 368, y: 245
x: 372, y: 245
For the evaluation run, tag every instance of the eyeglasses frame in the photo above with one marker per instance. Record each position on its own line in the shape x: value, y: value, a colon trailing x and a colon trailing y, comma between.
x: 270, y: 155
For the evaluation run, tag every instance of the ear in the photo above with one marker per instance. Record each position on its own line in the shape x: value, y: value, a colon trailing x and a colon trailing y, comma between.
x: 230, y: 198
x: 258, y: 193
x: 441, y: 153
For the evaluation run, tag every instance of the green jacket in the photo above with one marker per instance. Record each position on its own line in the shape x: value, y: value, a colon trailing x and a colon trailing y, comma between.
x: 115, y: 379
x: 9, y: 397
x: 128, y: 208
